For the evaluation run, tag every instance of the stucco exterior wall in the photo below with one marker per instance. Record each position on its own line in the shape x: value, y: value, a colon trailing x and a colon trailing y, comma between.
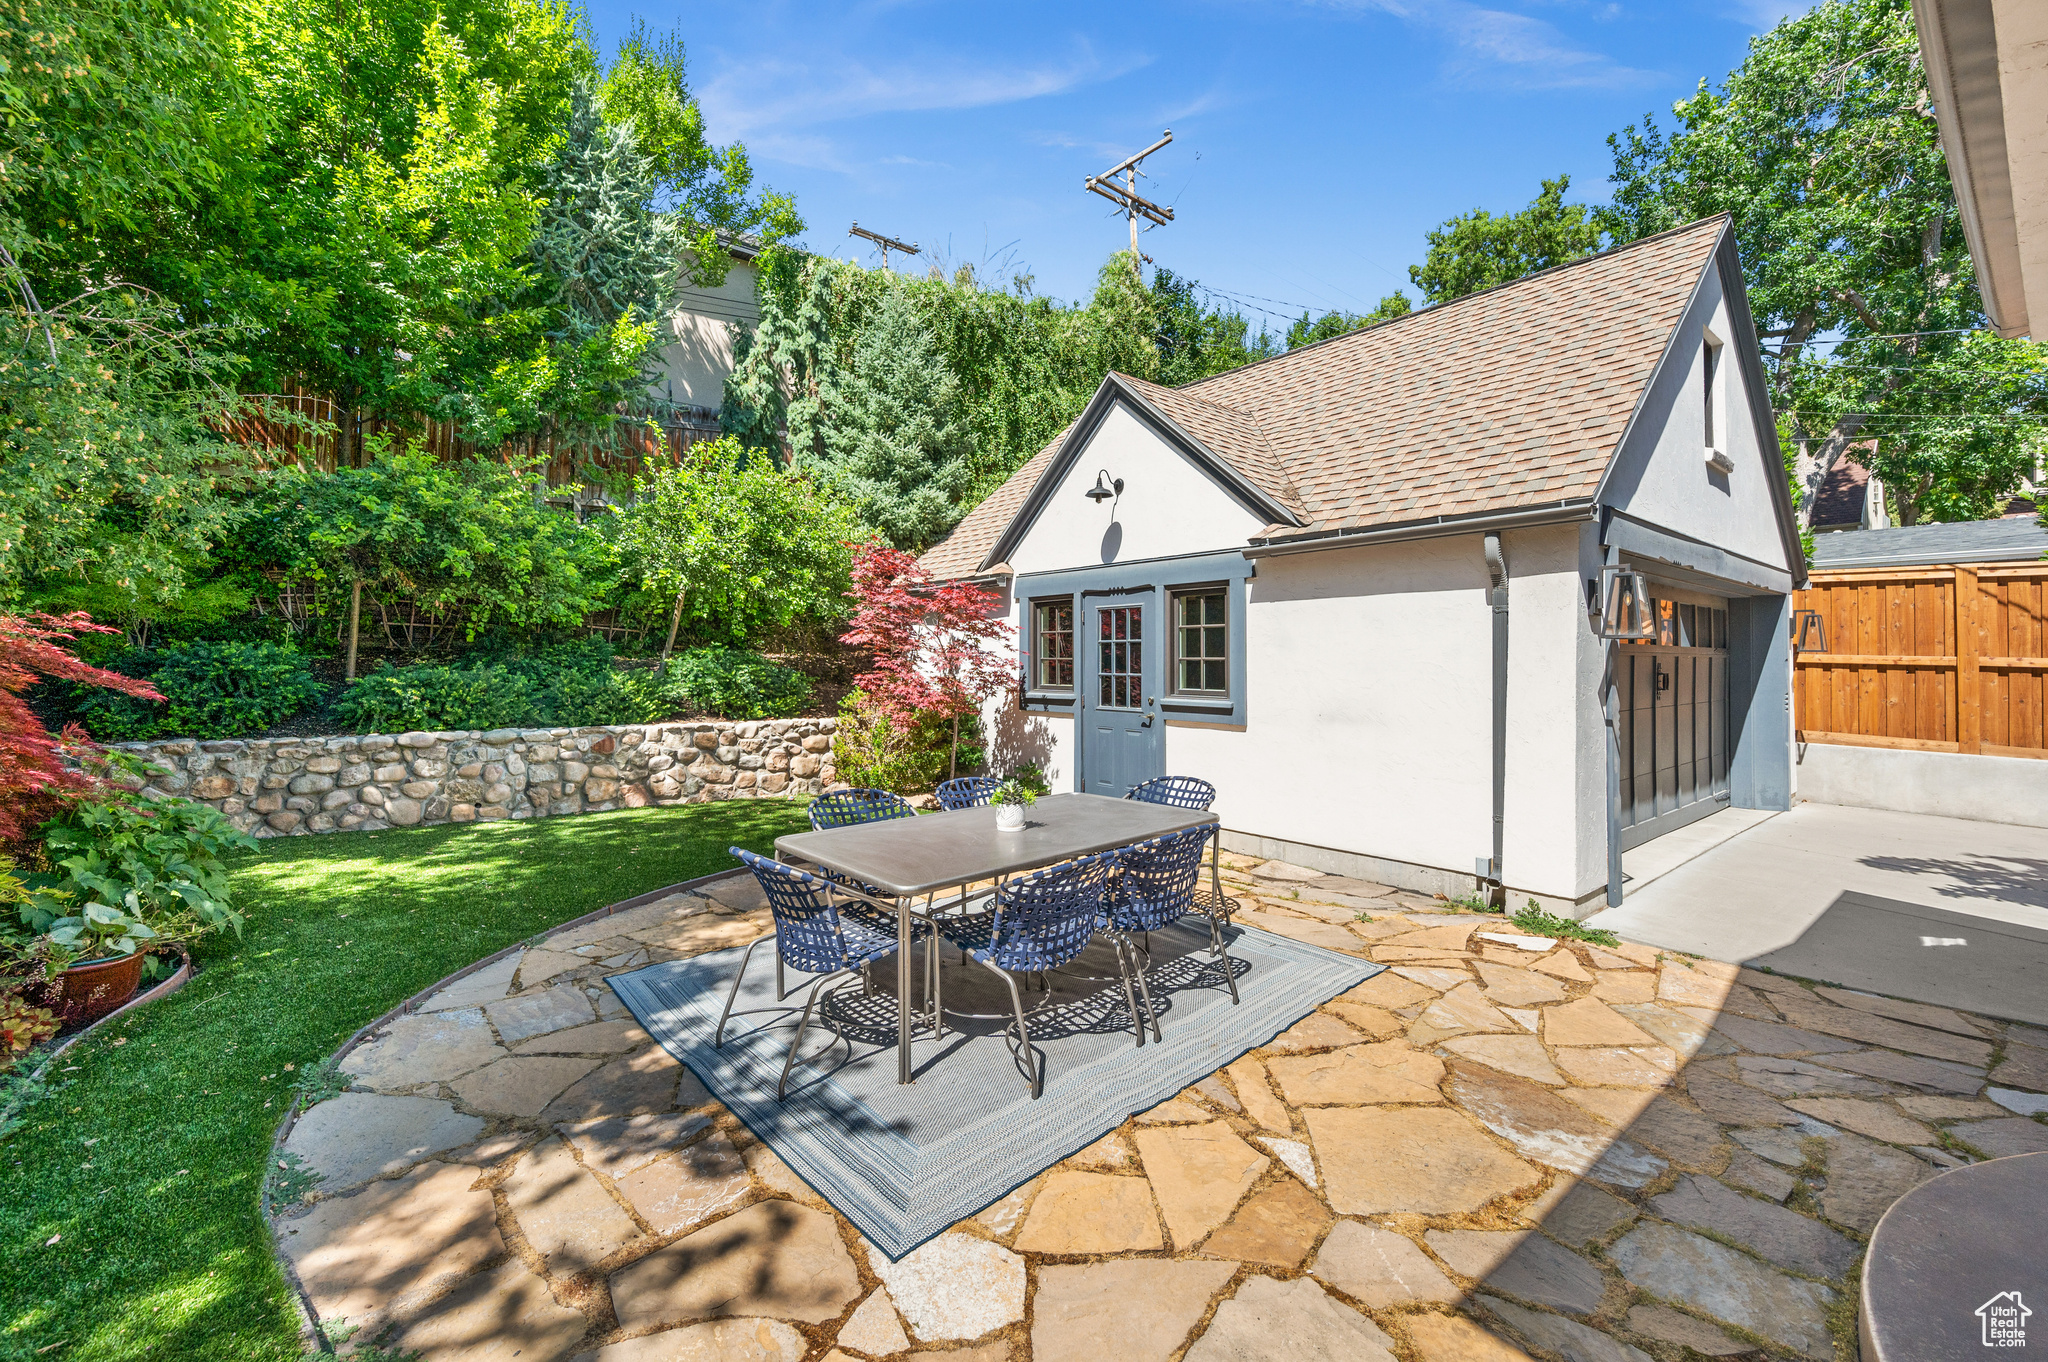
x: 693, y: 365
x: 1662, y: 477
x: 1168, y: 506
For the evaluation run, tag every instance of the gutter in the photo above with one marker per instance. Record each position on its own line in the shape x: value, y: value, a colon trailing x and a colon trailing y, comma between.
x: 1436, y: 527
x: 2018, y: 557
x: 1497, y: 570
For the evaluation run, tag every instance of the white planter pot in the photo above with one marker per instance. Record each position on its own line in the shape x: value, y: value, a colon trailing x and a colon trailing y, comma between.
x: 1009, y: 817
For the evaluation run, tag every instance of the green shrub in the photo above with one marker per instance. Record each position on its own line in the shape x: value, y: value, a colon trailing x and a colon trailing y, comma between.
x: 567, y: 685
x: 730, y: 683
x: 869, y: 750
x: 210, y: 689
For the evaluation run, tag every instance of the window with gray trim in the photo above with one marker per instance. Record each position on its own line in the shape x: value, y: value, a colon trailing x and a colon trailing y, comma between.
x: 1052, y: 644
x: 1201, y: 641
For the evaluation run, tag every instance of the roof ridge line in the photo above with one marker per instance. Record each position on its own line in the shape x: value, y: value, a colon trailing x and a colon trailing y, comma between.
x: 1435, y: 308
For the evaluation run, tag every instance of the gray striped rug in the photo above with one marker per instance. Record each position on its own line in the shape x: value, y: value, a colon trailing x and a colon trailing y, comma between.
x: 905, y: 1162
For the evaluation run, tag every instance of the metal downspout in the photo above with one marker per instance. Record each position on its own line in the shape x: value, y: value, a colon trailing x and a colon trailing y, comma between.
x: 1610, y: 707
x: 1497, y: 569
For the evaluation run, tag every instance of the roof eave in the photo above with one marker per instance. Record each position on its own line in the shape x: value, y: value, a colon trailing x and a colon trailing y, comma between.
x: 1433, y: 527
x: 1959, y: 41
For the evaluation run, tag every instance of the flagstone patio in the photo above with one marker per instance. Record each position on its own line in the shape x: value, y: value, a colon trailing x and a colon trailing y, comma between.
x: 1500, y: 1148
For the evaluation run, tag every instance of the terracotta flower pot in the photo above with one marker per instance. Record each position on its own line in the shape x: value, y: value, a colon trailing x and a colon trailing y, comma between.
x: 91, y: 989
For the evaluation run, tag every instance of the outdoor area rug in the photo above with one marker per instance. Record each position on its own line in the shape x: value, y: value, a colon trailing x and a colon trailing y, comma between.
x: 1931, y: 955
x: 904, y: 1162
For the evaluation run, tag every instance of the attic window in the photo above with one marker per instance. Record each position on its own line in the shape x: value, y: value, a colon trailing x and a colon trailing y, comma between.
x: 1710, y: 392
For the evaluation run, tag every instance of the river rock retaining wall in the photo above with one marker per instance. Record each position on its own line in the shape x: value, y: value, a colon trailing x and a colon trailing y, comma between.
x: 274, y: 787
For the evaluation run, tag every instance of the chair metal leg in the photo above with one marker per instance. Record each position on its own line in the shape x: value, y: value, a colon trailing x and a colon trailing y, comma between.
x: 1034, y: 1073
x: 718, y: 1036
x: 801, y: 1026
x: 1145, y: 991
x: 1216, y: 944
x: 1126, y: 965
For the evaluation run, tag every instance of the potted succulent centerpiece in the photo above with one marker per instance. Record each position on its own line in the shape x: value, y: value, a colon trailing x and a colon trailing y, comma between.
x: 1010, y: 799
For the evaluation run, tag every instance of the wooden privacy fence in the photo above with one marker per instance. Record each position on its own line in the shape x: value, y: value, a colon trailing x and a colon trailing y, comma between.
x: 1939, y: 659
x: 320, y: 432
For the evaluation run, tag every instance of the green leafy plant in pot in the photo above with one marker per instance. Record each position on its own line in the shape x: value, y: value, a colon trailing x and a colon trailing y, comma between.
x: 1010, y: 799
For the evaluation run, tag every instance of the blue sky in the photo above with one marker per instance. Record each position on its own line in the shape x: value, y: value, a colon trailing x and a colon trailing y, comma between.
x: 1314, y: 143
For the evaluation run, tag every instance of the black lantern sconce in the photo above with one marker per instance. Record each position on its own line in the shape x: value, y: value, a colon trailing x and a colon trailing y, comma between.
x: 1105, y: 487
x: 1621, y: 606
x: 1809, y: 632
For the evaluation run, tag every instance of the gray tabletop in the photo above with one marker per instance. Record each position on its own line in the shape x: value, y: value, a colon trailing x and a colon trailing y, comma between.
x: 912, y: 856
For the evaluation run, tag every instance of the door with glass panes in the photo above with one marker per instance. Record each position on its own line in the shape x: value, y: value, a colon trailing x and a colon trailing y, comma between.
x: 1123, y: 742
x: 1672, y: 725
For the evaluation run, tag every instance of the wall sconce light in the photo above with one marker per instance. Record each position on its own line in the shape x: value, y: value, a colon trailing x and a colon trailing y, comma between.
x: 1104, y: 488
x: 1809, y: 632
x: 1624, y: 610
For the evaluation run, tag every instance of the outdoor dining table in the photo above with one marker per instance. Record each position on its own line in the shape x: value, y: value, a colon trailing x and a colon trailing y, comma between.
x: 909, y: 858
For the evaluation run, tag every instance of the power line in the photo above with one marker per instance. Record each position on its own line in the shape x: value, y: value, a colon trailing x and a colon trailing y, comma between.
x: 1894, y: 335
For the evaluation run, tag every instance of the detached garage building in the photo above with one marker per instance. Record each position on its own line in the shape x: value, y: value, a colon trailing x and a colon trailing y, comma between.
x: 1321, y: 581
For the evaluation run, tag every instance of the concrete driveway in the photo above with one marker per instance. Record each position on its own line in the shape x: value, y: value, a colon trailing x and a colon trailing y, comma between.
x: 1941, y: 910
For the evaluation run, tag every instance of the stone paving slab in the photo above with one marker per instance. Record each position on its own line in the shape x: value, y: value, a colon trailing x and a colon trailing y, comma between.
x: 1484, y: 1154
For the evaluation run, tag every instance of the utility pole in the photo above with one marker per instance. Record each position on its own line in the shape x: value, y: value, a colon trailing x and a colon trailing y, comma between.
x: 1125, y: 195
x: 887, y: 243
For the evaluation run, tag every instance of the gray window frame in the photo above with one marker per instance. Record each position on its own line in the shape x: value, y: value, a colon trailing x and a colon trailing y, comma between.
x: 1157, y: 581
x: 1174, y: 596
x: 1032, y: 659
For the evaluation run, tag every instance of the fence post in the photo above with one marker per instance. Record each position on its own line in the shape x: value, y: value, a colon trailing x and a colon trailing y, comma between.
x: 1969, y: 693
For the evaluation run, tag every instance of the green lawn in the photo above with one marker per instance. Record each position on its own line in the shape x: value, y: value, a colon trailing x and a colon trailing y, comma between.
x: 148, y: 1168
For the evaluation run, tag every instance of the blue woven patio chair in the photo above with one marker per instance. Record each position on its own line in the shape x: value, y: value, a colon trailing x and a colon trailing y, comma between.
x: 814, y: 937
x: 1040, y: 922
x: 1188, y: 792
x: 844, y: 809
x: 1154, y: 887
x: 965, y: 792
x: 1182, y: 792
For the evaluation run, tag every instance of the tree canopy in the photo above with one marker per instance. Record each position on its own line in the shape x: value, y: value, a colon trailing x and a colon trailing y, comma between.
x: 1478, y: 250
x: 1823, y: 146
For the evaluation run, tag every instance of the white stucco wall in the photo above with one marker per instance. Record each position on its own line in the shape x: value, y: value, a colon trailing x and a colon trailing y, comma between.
x: 692, y: 367
x: 1168, y: 507
x: 1663, y: 478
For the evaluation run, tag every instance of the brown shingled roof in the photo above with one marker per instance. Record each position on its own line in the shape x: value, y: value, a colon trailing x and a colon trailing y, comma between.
x: 1512, y: 398
x: 964, y: 551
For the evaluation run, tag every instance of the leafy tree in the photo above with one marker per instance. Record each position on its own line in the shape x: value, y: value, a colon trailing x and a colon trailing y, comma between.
x: 709, y: 189
x: 1308, y: 332
x: 1195, y: 341
x: 896, y: 446
x: 1477, y: 250
x: 739, y: 544
x: 35, y: 775
x: 112, y: 477
x: 940, y: 649
x: 1823, y: 146
x: 466, y: 537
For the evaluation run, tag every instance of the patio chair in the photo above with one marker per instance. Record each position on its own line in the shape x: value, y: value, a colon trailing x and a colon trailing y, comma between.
x: 844, y: 809
x: 1154, y: 887
x: 1039, y: 922
x: 814, y: 937
x: 1188, y: 792
x: 965, y: 792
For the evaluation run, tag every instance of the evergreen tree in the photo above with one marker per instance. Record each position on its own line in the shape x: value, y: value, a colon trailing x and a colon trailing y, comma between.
x: 897, y: 444
x: 599, y: 240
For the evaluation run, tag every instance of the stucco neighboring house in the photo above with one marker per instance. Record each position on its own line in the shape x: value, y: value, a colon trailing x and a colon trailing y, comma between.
x: 698, y: 355
x: 1286, y: 579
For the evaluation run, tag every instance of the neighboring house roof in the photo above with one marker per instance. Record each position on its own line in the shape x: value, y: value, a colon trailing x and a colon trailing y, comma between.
x: 1968, y: 541
x: 1510, y: 399
x: 1840, y: 498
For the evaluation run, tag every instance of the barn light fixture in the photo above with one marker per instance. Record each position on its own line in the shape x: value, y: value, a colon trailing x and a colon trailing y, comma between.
x: 1104, y: 487
x: 1809, y: 632
x: 1625, y: 611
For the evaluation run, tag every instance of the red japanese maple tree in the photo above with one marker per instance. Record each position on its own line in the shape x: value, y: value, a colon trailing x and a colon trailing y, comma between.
x: 939, y: 647
x: 35, y: 779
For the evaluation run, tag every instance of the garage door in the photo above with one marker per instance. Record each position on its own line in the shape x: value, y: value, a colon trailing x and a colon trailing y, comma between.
x: 1673, y: 725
